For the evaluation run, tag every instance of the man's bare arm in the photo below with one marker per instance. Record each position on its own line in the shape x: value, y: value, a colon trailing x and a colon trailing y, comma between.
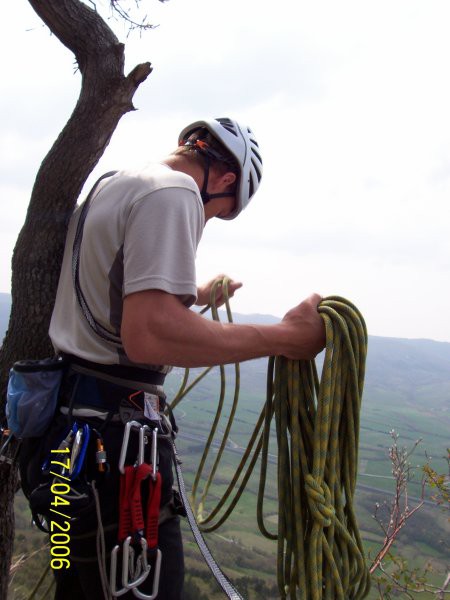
x: 158, y: 329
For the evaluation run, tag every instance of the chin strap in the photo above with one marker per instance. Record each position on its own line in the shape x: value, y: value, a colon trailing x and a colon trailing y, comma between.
x: 209, y: 153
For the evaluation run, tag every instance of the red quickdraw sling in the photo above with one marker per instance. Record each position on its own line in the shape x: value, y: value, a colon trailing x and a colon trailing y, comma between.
x: 135, y: 528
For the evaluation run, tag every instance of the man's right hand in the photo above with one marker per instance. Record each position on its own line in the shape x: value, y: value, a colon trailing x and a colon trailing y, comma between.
x: 304, y: 330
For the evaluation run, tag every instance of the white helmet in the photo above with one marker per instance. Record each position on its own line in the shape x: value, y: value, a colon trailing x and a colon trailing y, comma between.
x: 240, y: 142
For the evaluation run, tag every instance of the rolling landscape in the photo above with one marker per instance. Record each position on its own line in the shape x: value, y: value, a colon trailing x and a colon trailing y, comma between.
x: 407, y: 389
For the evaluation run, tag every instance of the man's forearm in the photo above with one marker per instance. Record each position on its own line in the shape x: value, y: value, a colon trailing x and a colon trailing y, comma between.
x: 158, y: 329
x: 175, y: 335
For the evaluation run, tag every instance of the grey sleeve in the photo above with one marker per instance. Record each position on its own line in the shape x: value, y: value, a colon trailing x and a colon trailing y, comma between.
x: 161, y: 238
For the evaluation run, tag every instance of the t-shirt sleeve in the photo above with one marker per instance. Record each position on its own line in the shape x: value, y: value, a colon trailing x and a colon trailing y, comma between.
x: 161, y: 238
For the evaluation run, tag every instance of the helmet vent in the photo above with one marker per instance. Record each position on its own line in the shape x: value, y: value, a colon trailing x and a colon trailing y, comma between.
x: 257, y: 155
x: 250, y: 191
x: 228, y: 125
x: 257, y: 170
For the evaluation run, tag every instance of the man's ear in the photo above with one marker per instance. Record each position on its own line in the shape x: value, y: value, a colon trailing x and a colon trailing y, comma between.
x: 229, y: 178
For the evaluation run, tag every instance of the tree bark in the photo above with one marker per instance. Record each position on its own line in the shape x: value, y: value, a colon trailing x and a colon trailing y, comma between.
x: 106, y: 95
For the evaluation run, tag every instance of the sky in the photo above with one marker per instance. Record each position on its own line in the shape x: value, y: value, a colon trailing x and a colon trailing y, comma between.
x: 349, y: 102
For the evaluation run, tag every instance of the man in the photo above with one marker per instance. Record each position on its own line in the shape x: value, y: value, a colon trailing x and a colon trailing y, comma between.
x: 127, y: 316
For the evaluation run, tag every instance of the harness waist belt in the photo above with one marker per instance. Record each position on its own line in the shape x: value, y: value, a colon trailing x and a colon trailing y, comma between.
x: 119, y: 371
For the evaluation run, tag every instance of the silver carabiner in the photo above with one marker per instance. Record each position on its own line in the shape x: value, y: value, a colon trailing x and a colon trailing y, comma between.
x: 155, y: 588
x: 113, y: 574
x: 142, y: 441
x: 124, y: 449
x: 76, y: 447
x: 154, y: 453
x: 138, y: 572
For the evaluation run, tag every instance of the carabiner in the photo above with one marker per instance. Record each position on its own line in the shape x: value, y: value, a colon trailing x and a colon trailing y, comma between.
x: 155, y: 589
x: 113, y: 574
x: 142, y: 441
x: 126, y: 437
x: 155, y: 453
x: 138, y: 572
x: 79, y: 447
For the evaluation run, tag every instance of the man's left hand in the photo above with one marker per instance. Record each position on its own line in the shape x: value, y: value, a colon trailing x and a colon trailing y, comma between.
x: 204, y: 291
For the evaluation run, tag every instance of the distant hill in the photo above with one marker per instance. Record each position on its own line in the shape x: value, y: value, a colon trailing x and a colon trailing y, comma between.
x: 395, y: 363
x: 414, y: 368
x: 5, y: 307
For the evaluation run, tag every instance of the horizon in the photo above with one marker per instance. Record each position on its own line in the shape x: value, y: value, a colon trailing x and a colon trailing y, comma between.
x: 275, y: 318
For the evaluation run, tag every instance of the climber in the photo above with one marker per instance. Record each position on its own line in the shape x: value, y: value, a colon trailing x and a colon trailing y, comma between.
x: 127, y: 317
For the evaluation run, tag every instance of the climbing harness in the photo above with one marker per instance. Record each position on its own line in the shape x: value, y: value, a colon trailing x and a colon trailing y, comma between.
x: 320, y: 553
x: 135, y: 531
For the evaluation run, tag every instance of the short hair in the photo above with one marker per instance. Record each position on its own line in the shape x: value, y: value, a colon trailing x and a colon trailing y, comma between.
x: 224, y: 164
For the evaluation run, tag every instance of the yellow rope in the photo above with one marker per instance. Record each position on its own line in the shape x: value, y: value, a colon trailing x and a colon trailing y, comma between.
x: 320, y: 554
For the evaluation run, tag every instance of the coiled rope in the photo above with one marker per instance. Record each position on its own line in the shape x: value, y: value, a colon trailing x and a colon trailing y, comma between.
x: 320, y: 553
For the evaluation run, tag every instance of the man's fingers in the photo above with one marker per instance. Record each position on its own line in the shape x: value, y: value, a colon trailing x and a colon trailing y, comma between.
x: 233, y: 286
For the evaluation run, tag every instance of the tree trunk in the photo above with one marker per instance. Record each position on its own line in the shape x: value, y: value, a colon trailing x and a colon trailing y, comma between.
x: 106, y: 95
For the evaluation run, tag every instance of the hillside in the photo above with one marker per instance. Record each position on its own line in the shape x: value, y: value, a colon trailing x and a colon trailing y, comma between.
x: 5, y: 307
x: 407, y: 389
x: 407, y: 363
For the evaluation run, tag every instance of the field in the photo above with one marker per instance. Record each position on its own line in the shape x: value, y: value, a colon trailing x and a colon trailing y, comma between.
x: 410, y: 397
x: 423, y: 539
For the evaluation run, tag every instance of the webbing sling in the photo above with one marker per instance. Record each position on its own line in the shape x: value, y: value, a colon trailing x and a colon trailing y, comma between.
x: 95, y: 325
x: 219, y: 575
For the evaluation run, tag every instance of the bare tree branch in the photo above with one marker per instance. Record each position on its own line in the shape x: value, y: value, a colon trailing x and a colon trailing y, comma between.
x: 400, y: 511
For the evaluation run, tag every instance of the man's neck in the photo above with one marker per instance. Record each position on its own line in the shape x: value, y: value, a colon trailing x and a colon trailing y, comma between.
x: 177, y: 162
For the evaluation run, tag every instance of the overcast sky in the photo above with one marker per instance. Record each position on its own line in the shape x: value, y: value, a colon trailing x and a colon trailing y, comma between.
x: 350, y: 104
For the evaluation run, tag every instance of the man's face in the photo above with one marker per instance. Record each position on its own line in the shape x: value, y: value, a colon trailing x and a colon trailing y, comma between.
x: 219, y: 207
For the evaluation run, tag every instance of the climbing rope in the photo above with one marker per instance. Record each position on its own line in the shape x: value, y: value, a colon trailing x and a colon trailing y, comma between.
x: 320, y: 553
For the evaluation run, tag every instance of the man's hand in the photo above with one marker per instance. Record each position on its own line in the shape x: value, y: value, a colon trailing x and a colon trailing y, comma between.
x: 204, y: 291
x: 304, y: 330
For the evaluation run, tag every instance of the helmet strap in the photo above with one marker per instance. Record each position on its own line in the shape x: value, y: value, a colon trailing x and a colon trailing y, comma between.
x: 206, y: 197
x: 207, y: 153
x: 203, y: 193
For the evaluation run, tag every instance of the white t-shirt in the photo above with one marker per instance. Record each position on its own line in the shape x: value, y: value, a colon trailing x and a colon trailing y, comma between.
x: 141, y: 232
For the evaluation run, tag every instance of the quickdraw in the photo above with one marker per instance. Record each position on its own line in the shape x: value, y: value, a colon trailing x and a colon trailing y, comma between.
x: 77, y: 441
x: 136, y: 533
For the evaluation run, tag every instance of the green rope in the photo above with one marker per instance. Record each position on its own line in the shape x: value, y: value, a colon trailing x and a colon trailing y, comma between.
x: 320, y: 553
